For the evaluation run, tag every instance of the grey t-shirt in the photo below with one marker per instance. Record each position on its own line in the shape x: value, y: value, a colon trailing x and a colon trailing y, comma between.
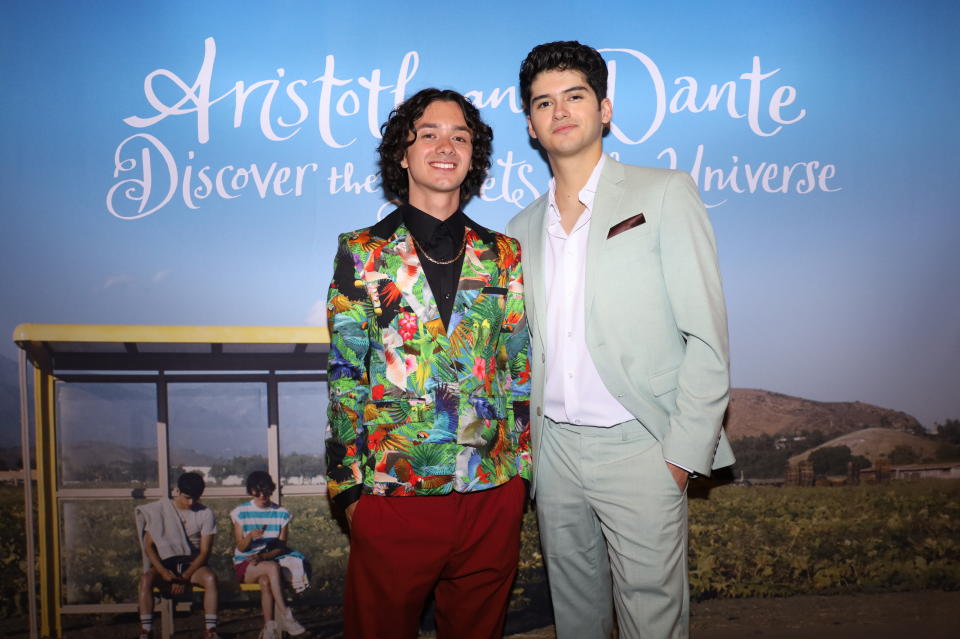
x: 197, y: 522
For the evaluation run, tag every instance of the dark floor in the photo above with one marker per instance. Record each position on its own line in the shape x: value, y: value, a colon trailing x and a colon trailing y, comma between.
x: 926, y: 615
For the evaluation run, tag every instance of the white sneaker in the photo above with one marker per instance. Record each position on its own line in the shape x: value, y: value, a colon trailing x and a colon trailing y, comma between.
x: 290, y: 625
x: 270, y: 631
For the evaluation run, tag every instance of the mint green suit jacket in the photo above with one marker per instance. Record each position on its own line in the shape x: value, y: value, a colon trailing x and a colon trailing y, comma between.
x: 655, y: 317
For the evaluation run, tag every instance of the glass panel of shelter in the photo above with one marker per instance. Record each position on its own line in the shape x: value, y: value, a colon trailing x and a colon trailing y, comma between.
x: 107, y: 434
x: 302, y: 411
x: 219, y: 430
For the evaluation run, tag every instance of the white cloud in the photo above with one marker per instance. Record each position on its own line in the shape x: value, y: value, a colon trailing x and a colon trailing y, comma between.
x: 318, y: 313
x: 117, y: 280
x: 159, y: 276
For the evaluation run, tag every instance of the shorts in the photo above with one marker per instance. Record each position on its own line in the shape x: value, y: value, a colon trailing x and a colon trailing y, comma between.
x: 240, y: 570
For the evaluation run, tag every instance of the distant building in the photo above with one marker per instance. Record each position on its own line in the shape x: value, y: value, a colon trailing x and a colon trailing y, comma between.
x: 800, y: 474
x: 942, y: 470
x: 304, y: 480
x: 232, y: 480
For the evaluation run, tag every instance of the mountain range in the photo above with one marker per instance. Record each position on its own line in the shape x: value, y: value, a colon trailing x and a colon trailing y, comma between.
x: 755, y: 412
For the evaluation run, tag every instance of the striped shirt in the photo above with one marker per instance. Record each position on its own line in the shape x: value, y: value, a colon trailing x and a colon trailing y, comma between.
x: 250, y: 518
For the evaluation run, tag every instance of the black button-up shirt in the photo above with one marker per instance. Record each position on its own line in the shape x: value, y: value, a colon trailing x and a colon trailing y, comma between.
x: 441, y: 240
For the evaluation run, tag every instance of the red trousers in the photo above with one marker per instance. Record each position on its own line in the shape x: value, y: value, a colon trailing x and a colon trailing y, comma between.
x: 462, y: 547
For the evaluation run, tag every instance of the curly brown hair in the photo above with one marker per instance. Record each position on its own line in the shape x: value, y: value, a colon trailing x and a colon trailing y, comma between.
x: 398, y: 133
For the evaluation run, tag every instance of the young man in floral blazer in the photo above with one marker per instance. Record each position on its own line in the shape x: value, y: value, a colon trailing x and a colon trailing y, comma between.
x: 429, y: 388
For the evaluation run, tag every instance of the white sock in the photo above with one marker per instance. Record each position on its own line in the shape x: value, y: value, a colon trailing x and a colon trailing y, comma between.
x: 146, y: 622
x: 210, y: 621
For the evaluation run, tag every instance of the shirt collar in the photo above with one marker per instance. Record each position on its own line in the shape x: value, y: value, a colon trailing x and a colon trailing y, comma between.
x: 425, y: 228
x: 586, y: 197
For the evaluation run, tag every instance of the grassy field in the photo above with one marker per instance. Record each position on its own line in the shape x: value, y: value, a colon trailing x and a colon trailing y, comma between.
x: 744, y: 542
x: 766, y: 541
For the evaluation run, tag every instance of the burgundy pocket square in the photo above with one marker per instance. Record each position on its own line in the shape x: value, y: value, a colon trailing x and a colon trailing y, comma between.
x: 626, y: 225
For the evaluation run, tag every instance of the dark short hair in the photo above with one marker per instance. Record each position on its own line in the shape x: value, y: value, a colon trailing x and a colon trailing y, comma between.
x: 191, y: 484
x: 396, y: 137
x: 260, y: 481
x: 563, y: 56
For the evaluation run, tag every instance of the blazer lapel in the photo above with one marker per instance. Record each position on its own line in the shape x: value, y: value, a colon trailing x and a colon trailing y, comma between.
x: 397, y: 261
x: 533, y: 274
x: 412, y: 281
x: 479, y: 269
x: 606, y: 211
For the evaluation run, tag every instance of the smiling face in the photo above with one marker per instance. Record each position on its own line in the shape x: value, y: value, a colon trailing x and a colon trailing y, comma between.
x: 565, y: 115
x: 439, y: 158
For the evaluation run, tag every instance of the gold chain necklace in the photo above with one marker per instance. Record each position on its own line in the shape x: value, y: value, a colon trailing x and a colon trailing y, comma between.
x: 427, y: 255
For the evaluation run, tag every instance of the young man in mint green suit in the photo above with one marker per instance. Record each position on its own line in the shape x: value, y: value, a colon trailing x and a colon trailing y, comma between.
x: 630, y: 360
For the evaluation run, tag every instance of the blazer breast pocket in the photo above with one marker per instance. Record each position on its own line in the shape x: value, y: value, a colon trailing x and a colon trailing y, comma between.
x: 493, y: 290
x: 632, y: 222
x: 630, y: 235
x: 631, y: 247
x: 493, y: 295
x: 637, y: 238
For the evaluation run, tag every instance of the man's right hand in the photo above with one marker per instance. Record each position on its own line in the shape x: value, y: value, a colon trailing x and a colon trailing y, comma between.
x: 177, y: 584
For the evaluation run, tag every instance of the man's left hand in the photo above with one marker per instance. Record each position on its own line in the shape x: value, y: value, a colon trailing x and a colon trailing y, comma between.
x: 679, y: 475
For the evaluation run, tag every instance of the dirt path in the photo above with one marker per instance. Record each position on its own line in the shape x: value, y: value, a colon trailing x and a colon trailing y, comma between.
x: 909, y: 615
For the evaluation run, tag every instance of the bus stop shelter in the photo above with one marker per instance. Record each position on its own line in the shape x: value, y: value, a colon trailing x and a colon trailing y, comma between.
x: 120, y: 385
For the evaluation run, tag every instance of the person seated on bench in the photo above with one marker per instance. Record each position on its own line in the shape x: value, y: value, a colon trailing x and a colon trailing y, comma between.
x: 176, y: 537
x: 260, y: 528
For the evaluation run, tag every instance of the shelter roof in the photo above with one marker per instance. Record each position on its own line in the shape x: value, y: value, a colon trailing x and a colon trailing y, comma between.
x: 64, y: 347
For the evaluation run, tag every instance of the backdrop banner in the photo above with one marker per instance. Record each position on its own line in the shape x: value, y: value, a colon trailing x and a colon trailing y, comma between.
x: 192, y: 163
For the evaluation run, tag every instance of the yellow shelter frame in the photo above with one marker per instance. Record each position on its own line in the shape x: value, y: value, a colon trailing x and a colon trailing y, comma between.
x: 146, y: 353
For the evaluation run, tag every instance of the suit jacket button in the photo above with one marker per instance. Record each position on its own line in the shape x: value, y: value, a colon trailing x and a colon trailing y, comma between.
x: 543, y: 357
x: 539, y: 412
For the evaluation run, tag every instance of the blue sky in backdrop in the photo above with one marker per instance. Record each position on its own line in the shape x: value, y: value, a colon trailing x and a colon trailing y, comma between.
x: 844, y: 287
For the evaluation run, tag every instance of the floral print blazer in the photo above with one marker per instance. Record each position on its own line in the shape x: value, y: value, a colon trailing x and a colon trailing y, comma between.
x: 417, y: 408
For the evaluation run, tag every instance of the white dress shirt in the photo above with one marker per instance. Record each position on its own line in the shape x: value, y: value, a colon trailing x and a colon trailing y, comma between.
x: 574, y: 392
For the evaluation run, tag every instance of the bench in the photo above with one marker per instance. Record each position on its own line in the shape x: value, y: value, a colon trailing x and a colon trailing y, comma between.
x: 167, y: 608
